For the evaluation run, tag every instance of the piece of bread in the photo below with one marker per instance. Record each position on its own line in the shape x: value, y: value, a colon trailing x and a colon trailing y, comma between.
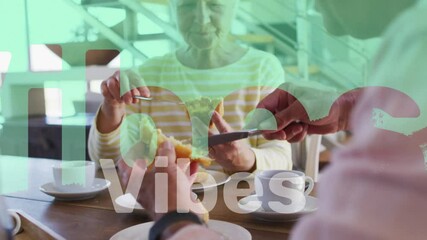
x: 201, y: 175
x: 202, y: 108
x: 182, y: 150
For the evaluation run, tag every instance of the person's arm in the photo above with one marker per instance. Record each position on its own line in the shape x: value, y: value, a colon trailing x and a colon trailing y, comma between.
x: 235, y: 156
x: 376, y: 186
x: 291, y: 117
x: 170, y: 224
x: 240, y: 156
x: 273, y: 154
x: 118, y: 91
x: 103, y: 145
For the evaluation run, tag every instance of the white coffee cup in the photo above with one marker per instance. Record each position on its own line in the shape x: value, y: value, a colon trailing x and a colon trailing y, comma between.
x: 16, y: 222
x: 10, y: 223
x: 73, y: 176
x: 282, y: 191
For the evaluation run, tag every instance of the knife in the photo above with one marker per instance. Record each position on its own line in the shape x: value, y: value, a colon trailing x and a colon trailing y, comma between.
x: 231, y: 136
x: 157, y: 99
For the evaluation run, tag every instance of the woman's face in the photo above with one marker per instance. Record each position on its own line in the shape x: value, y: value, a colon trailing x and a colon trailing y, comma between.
x: 359, y: 18
x: 205, y: 23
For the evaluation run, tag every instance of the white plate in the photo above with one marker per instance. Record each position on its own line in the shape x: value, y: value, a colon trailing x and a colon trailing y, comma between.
x: 219, y: 178
x: 99, y: 185
x: 228, y: 230
x: 252, y: 205
x: 243, y: 176
x: 128, y: 201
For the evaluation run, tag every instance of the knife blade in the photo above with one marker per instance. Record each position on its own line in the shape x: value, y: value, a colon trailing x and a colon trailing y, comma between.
x: 157, y: 99
x: 231, y: 136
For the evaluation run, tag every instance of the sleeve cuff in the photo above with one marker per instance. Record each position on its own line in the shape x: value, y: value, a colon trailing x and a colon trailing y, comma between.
x: 104, y: 135
x: 103, y: 145
x: 273, y: 155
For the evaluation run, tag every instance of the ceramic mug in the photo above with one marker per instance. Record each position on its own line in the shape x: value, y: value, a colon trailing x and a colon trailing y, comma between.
x: 16, y: 222
x: 73, y: 176
x: 10, y: 225
x: 282, y: 191
x: 10, y: 222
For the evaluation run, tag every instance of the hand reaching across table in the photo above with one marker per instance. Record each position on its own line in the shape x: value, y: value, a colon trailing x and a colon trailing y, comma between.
x: 293, y: 121
x: 177, y: 213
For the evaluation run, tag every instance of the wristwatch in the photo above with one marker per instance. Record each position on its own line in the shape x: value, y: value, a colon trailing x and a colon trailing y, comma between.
x: 171, y: 218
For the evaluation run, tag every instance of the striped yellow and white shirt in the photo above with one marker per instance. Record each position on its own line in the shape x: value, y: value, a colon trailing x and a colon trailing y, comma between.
x: 241, y: 84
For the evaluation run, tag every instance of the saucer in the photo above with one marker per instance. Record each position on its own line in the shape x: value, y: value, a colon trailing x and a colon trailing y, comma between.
x: 128, y: 201
x: 99, y: 185
x: 218, y: 177
x: 226, y: 229
x: 252, y: 205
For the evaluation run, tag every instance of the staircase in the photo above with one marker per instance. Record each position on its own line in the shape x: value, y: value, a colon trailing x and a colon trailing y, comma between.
x: 299, y: 41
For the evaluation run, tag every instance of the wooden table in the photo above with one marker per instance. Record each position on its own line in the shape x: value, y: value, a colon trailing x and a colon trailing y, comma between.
x: 96, y: 219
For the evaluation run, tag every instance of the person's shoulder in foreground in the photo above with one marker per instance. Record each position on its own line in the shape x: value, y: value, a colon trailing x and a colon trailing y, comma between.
x: 377, y: 186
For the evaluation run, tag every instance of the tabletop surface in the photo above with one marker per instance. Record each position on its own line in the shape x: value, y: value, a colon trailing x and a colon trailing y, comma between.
x: 96, y: 218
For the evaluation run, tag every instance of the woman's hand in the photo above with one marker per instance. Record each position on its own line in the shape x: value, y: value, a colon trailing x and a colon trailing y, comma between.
x: 118, y: 91
x: 235, y: 156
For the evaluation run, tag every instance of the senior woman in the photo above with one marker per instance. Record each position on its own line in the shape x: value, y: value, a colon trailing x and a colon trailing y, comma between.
x: 210, y: 65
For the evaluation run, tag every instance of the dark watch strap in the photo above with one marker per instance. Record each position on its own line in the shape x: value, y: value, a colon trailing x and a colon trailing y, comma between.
x: 170, y: 218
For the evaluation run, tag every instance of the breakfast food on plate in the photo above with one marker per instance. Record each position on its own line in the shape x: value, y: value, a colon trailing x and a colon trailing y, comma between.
x: 201, y: 175
x: 202, y: 108
x: 182, y: 150
x: 205, y: 216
